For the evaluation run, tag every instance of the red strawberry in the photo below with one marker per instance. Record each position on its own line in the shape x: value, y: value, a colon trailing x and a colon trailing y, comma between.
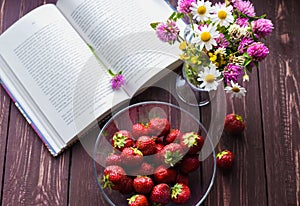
x: 189, y: 164
x: 171, y: 154
x: 131, y: 157
x: 139, y: 130
x: 174, y: 135
x: 159, y: 126
x: 122, y: 139
x: 143, y: 184
x: 234, y: 124
x: 146, y: 145
x: 161, y: 194
x: 182, y: 178
x: 113, y: 177
x: 126, y: 186
x: 138, y: 200
x: 192, y: 141
x: 162, y: 174
x: 225, y: 160
x: 145, y: 169
x: 180, y: 193
x: 113, y: 159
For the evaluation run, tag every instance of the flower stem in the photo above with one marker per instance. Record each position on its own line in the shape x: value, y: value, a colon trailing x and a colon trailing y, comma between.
x: 99, y: 60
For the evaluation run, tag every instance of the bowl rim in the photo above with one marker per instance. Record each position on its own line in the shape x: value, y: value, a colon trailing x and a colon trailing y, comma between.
x: 161, y: 103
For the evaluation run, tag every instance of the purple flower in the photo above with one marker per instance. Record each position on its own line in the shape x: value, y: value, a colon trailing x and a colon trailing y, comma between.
x: 242, y: 22
x: 167, y: 32
x: 232, y: 72
x: 262, y: 27
x: 245, y: 7
x: 258, y: 51
x: 244, y: 44
x: 184, y: 6
x: 222, y: 41
x: 117, y: 81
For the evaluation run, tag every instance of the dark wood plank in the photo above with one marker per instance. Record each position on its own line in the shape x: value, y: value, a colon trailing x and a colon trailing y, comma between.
x: 280, y: 89
x: 4, y: 118
x: 32, y: 176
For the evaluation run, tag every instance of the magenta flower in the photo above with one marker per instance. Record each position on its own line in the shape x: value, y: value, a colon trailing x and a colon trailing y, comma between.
x: 262, y: 27
x: 244, y: 44
x: 117, y: 81
x: 245, y: 7
x: 167, y: 32
x: 242, y: 22
x: 184, y: 6
x: 258, y: 51
x: 222, y: 41
x: 232, y: 72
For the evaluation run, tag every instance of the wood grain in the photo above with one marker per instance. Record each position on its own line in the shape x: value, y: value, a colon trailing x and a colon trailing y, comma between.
x: 280, y: 89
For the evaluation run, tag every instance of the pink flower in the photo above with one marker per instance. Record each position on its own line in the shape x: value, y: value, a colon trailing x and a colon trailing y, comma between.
x: 117, y: 81
x: 258, y: 51
x: 242, y: 22
x: 245, y: 42
x: 167, y: 32
x: 222, y: 41
x: 262, y: 27
x: 245, y: 7
x: 232, y: 72
x: 184, y: 6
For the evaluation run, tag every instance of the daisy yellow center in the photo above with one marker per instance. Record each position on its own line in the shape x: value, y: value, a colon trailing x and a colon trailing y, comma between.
x: 222, y: 14
x: 210, y: 78
x: 205, y: 36
x: 201, y: 10
x: 236, y: 89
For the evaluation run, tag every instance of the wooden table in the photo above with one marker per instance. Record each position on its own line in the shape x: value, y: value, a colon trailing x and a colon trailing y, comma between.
x: 267, y: 167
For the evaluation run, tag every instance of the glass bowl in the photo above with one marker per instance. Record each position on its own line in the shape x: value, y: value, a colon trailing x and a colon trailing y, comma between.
x: 200, y: 180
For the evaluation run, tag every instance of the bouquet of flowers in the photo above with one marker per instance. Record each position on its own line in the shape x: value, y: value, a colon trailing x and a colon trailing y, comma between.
x: 221, y: 41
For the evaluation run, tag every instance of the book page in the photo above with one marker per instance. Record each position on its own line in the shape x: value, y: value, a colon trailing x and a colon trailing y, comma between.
x: 120, y: 32
x: 58, y: 71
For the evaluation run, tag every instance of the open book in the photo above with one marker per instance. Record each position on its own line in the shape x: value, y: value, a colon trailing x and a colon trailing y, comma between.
x: 52, y: 75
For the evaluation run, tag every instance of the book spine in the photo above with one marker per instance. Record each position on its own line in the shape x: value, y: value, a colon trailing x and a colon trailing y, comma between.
x: 28, y: 119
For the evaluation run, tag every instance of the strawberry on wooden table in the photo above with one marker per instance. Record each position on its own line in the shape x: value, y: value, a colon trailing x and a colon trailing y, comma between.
x: 138, y: 200
x: 143, y: 184
x: 225, y: 160
x: 180, y: 193
x: 234, y: 124
x: 160, y: 194
x: 122, y: 139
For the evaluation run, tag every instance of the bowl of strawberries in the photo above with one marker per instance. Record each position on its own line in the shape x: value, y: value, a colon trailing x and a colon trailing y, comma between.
x: 150, y: 153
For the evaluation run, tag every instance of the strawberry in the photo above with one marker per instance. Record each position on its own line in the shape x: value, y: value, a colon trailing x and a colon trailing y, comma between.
x: 162, y: 174
x: 182, y: 178
x: 131, y: 157
x: 126, y: 186
x: 189, y: 164
x: 113, y: 159
x: 225, y: 160
x: 146, y: 145
x: 139, y: 130
x: 192, y: 141
x: 145, y: 169
x: 174, y: 135
x: 159, y: 126
x: 161, y: 194
x: 171, y: 154
x: 138, y: 200
x: 122, y: 139
x: 113, y: 177
x: 234, y: 124
x: 180, y: 193
x: 143, y: 184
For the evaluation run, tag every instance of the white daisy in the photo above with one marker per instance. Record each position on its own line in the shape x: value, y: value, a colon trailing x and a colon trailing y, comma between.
x: 201, y: 10
x: 222, y: 15
x: 236, y: 90
x: 205, y: 36
x: 209, y: 77
x: 221, y: 51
